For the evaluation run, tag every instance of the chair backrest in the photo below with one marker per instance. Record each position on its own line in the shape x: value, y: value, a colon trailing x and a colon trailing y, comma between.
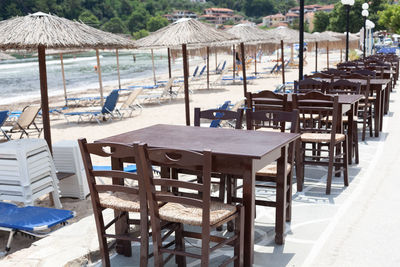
x: 218, y: 115
x: 217, y: 68
x: 344, y: 87
x: 316, y: 110
x: 274, y: 68
x: 238, y: 104
x: 266, y: 100
x: 335, y: 72
x: 27, y: 117
x: 3, y: 116
x: 320, y: 75
x: 365, y: 90
x: 272, y: 119
x: 195, y: 71
x: 223, y: 65
x: 111, y: 102
x: 131, y: 98
x: 179, y: 159
x: 308, y: 85
x: 202, y: 70
x: 134, y: 186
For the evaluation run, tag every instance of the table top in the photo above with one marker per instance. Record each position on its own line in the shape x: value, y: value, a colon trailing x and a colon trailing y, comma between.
x: 229, y: 142
x: 343, y: 99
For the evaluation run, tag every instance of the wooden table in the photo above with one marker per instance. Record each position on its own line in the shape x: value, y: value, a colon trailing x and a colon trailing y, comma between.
x: 381, y: 87
x: 235, y: 152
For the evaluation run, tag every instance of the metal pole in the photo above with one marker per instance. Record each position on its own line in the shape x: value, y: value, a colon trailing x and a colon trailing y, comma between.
x: 283, y: 62
x: 119, y: 76
x: 243, y: 69
x: 169, y: 63
x: 347, y: 31
x: 316, y: 56
x: 365, y: 33
x: 301, y: 39
x: 327, y: 55
x: 100, y: 80
x: 208, y: 68
x: 234, y: 63
x: 186, y: 83
x: 63, y: 77
x: 44, y: 95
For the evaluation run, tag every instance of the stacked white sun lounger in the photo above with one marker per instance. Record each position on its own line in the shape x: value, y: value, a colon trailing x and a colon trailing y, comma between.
x: 67, y: 158
x: 27, y: 171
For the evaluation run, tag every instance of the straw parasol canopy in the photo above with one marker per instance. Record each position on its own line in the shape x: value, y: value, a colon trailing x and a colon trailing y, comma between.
x: 288, y: 35
x: 185, y: 31
x: 250, y: 34
x: 182, y: 33
x: 4, y: 56
x: 41, y: 31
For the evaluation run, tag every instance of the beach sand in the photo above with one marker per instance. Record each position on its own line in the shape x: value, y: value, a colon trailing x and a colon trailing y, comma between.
x: 169, y: 112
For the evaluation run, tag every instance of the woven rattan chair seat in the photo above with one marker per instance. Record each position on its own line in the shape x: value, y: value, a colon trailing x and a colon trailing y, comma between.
x: 120, y: 201
x: 271, y: 170
x: 321, y: 137
x: 266, y: 129
x: 186, y: 214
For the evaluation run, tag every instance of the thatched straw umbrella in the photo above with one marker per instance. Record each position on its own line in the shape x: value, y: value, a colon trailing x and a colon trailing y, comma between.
x: 41, y: 31
x: 251, y: 35
x: 4, y: 56
x: 325, y: 39
x: 182, y: 33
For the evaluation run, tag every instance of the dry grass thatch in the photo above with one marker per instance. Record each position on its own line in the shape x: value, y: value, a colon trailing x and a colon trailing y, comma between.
x: 185, y: 31
x: 252, y: 34
x: 40, y: 29
x: 288, y: 35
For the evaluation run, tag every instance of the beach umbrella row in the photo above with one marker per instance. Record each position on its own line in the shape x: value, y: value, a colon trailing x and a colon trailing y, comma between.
x: 41, y: 31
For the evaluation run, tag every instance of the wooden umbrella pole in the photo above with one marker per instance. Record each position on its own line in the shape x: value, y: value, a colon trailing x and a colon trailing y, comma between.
x: 44, y: 95
x: 243, y: 69
x: 234, y: 63
x: 119, y: 77
x: 186, y: 83
x: 216, y: 59
x: 283, y: 62
x: 63, y: 77
x: 208, y: 68
x: 327, y: 56
x: 255, y: 62
x: 291, y: 53
x: 341, y: 54
x: 100, y: 80
x: 169, y: 63
x: 316, y: 56
x: 154, y: 69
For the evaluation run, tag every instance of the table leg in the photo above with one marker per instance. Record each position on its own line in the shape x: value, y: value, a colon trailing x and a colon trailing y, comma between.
x: 377, y: 115
x: 387, y: 96
x: 121, y: 226
x: 382, y: 111
x: 281, y: 189
x: 249, y: 211
x: 350, y: 133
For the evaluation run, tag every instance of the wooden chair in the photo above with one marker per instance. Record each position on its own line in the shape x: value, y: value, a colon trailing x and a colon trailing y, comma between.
x: 119, y: 197
x: 345, y: 87
x: 365, y: 72
x: 279, y: 121
x: 25, y: 124
x: 315, y: 110
x: 195, y: 209
x: 320, y: 75
x: 365, y: 106
x: 308, y: 85
x: 336, y: 72
x: 266, y: 100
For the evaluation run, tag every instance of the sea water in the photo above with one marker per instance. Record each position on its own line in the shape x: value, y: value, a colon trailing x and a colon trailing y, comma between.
x: 19, y: 78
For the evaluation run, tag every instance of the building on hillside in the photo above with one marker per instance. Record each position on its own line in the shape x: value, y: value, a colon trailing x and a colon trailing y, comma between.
x: 272, y: 20
x: 308, y: 8
x: 327, y: 8
x: 220, y: 16
x: 290, y: 18
x: 180, y: 14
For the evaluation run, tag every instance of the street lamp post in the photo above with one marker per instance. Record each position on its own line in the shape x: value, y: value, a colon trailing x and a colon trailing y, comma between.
x: 365, y: 14
x: 347, y: 4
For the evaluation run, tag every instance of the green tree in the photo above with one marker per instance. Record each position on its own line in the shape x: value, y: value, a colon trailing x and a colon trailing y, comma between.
x: 138, y: 20
x: 140, y: 34
x: 114, y: 25
x: 257, y: 8
x: 321, y: 21
x: 337, y: 18
x: 390, y: 18
x: 156, y: 23
x: 88, y: 18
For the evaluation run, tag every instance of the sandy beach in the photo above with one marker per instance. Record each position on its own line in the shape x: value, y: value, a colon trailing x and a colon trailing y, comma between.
x: 169, y: 112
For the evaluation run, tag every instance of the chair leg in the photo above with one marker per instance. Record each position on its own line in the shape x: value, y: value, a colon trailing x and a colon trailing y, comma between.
x: 180, y: 246
x: 330, y: 168
x: 144, y: 241
x: 239, y: 242
x: 299, y: 167
x: 355, y: 142
x: 371, y: 130
x: 205, y: 246
x: 289, y: 196
x: 345, y: 163
x: 364, y: 128
x: 229, y: 180
x: 337, y: 160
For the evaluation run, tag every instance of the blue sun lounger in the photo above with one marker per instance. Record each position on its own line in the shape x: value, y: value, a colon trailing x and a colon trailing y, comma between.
x: 34, y: 221
x: 3, y: 118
